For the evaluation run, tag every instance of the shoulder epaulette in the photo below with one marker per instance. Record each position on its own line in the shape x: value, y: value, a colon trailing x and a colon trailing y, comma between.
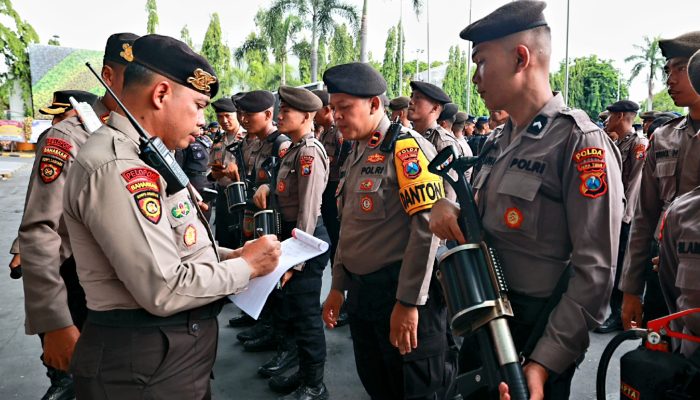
x: 581, y: 119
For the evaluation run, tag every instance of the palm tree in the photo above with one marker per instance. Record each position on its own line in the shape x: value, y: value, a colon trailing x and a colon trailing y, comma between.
x: 279, y: 35
x: 322, y: 23
x: 649, y: 58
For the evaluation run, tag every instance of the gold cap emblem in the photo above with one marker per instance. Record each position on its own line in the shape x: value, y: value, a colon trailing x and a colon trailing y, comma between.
x: 201, y: 80
x: 127, y: 54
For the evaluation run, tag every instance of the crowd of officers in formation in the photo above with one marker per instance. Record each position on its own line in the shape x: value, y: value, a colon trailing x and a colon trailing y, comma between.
x: 123, y: 278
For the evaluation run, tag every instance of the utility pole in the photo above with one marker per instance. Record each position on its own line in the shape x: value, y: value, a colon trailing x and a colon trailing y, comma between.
x: 469, y: 64
x: 566, y: 79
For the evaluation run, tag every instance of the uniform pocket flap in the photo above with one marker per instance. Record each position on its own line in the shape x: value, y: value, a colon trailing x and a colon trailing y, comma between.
x: 369, y: 185
x: 520, y: 185
x: 666, y: 168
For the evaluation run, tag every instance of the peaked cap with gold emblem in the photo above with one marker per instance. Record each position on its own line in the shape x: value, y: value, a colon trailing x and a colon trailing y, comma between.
x: 118, y: 48
x: 175, y: 60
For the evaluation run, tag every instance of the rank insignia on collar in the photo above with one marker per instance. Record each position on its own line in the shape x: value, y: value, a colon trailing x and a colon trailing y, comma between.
x: 127, y: 52
x: 201, y: 80
x: 374, y: 140
x: 537, y: 125
x: 190, y: 236
x: 182, y: 209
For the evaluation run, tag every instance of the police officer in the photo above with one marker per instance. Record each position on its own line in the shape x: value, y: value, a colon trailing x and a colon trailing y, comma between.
x: 427, y: 103
x: 632, y: 145
x: 225, y: 171
x: 54, y: 301
x: 299, y: 189
x: 447, y: 116
x: 386, y: 252
x: 399, y: 109
x: 145, y: 255
x: 550, y: 195
x: 458, y: 128
x: 670, y: 170
x: 680, y: 250
x: 256, y: 113
x: 195, y: 163
x: 647, y: 118
x: 497, y: 118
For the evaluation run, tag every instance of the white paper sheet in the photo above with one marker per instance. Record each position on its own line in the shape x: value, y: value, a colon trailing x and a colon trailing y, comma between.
x: 295, y: 250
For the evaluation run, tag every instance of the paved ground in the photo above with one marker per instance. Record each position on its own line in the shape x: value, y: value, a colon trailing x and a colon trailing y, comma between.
x: 23, y: 375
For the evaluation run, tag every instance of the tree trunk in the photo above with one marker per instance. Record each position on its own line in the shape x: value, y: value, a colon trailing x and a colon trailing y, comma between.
x: 284, y: 69
x: 363, y: 33
x: 314, y: 48
x: 650, y: 93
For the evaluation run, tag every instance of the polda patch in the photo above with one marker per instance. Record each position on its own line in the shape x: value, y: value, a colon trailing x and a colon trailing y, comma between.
x: 640, y: 151
x: 306, y: 164
x: 590, y: 163
x: 409, y: 159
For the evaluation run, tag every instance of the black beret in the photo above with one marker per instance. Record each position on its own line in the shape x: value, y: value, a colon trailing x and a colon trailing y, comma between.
x: 300, y: 99
x: 482, y: 120
x: 682, y: 46
x: 256, y: 101
x: 213, y: 125
x: 623, y: 106
x: 449, y: 111
x: 175, y: 60
x: 323, y: 95
x: 431, y: 91
x: 694, y: 71
x: 119, y: 48
x: 658, y: 122
x: 385, y: 100
x: 461, y: 117
x: 61, y: 102
x: 649, y: 115
x: 399, y: 103
x: 356, y: 79
x: 224, y: 105
x: 513, y: 17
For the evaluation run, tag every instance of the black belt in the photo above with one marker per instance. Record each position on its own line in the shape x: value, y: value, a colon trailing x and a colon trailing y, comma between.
x: 140, y: 318
x: 390, y: 273
x: 196, y: 173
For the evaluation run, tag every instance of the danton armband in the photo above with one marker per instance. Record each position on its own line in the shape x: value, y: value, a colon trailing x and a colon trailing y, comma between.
x: 419, y: 189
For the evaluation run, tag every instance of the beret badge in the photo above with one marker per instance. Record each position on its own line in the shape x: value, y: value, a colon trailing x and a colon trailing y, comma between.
x: 127, y: 53
x: 201, y: 80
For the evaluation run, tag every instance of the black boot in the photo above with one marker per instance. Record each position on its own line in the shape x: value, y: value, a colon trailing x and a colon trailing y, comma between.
x: 258, y: 330
x: 61, y: 386
x: 285, y: 384
x: 612, y: 324
x: 241, y: 321
x: 312, y: 386
x: 282, y: 361
x: 265, y: 342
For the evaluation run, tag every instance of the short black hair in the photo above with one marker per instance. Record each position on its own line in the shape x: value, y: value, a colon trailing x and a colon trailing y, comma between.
x: 136, y: 74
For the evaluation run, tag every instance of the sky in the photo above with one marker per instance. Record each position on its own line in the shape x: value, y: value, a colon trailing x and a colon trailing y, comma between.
x: 607, y: 28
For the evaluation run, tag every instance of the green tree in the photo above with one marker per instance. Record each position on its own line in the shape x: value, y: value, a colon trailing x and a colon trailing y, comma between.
x: 593, y: 84
x: 13, y: 42
x: 152, y: 11
x: 477, y: 106
x: 342, y: 49
x: 54, y: 41
x: 663, y: 102
x: 389, y: 68
x: 185, y: 36
x: 302, y: 51
x: 322, y: 56
x: 321, y: 20
x: 219, y: 56
x: 257, y: 71
x: 280, y: 31
x: 454, y: 77
x: 650, y: 59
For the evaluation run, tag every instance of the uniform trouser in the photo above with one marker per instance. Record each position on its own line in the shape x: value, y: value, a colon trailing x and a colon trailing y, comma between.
x: 76, y: 300
x: 329, y: 212
x: 654, y: 302
x: 427, y: 371
x: 297, y: 308
x: 168, y: 362
x: 616, y: 295
x: 228, y: 226
x: 557, y: 386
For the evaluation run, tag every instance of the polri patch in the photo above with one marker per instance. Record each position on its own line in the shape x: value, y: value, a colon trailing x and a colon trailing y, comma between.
x: 513, y: 218
x: 374, y: 139
x: 190, y: 236
x: 306, y: 163
x: 366, y: 204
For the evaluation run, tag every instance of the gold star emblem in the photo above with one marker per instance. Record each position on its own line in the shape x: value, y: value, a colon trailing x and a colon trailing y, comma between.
x: 201, y: 80
x: 127, y: 54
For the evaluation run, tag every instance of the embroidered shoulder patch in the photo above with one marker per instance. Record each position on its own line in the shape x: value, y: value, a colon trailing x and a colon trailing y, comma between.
x: 590, y: 162
x: 144, y: 185
x: 640, y: 151
x: 419, y: 189
x: 53, y: 158
x: 305, y: 165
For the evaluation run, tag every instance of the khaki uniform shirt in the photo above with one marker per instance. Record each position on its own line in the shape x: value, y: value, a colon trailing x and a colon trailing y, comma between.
x: 670, y: 170
x: 14, y: 249
x: 301, y: 180
x: 42, y: 233
x: 376, y: 231
x: 441, y: 138
x: 136, y: 246
x: 550, y: 196
x: 466, y: 151
x: 332, y: 141
x: 249, y: 143
x: 218, y: 153
x: 633, y: 150
x: 261, y: 152
x: 679, y: 264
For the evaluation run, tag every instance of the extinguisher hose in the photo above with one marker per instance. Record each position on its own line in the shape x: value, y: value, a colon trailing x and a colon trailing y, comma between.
x: 602, y: 372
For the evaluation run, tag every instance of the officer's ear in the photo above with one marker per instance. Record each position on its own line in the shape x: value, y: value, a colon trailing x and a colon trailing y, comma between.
x: 107, y: 74
x: 268, y: 114
x: 523, y: 57
x: 160, y: 92
x: 374, y: 103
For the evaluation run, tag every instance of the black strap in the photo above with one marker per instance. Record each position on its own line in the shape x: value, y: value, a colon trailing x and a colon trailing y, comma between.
x: 541, y: 322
